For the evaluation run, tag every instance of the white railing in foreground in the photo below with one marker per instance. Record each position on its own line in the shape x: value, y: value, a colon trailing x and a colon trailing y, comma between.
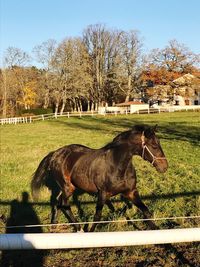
x: 30, y: 119
x: 97, y: 239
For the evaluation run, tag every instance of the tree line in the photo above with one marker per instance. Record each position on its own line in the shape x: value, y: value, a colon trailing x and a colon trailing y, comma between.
x: 103, y: 66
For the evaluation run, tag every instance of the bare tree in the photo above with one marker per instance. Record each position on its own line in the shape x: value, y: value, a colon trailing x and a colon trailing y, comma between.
x: 4, y: 91
x: 130, y: 58
x: 44, y: 54
x: 112, y: 67
x: 96, y: 39
x: 15, y: 57
x: 71, y: 65
x: 175, y: 57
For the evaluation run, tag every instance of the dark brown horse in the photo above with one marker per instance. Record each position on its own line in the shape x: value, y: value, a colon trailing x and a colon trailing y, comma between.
x: 107, y: 171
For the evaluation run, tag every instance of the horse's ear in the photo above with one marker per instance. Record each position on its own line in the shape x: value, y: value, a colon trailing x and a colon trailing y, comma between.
x: 155, y: 128
x: 149, y: 132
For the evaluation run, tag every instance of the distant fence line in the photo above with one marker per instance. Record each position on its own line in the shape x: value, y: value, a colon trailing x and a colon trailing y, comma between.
x: 30, y: 119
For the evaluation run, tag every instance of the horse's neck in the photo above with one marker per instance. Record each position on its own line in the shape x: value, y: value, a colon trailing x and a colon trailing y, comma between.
x: 135, y: 148
x: 125, y: 152
x: 122, y: 156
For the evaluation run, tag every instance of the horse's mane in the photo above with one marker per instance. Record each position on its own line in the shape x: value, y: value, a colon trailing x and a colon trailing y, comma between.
x: 120, y: 138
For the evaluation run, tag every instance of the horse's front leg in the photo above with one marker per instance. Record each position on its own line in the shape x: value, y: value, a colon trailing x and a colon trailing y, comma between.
x: 100, y: 203
x: 134, y: 197
x: 110, y: 205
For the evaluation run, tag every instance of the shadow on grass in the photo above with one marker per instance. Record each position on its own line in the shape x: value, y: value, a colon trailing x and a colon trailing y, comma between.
x: 22, y: 213
x: 76, y: 202
x: 169, y: 130
x: 181, y: 132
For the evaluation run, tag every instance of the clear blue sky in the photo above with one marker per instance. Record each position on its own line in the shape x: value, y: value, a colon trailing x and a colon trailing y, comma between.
x: 27, y: 23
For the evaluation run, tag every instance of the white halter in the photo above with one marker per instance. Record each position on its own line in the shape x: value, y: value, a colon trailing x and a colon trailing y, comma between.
x: 144, y: 146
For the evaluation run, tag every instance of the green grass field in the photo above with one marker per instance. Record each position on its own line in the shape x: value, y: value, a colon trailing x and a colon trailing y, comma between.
x: 175, y: 193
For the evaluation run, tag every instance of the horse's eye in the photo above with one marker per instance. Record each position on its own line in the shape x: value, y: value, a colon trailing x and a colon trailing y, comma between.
x: 154, y: 145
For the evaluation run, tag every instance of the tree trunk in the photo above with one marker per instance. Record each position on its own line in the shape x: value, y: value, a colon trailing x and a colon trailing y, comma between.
x: 56, y: 109
x: 92, y: 106
x: 77, y: 105
x: 46, y: 100
x: 127, y: 97
x: 4, y: 96
x: 88, y: 105
x: 63, y: 106
x: 129, y: 89
x: 4, y: 104
x: 80, y: 105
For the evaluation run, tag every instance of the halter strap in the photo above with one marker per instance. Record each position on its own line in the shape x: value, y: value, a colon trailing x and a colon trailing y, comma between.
x: 144, y: 146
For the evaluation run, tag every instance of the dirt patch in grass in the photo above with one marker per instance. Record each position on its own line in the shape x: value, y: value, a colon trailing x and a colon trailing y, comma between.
x: 157, y: 256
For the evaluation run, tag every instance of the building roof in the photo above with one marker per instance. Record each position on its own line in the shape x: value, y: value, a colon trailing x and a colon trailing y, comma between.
x: 184, y: 79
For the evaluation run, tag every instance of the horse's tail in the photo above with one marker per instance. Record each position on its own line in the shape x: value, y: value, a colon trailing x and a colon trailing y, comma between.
x: 41, y: 175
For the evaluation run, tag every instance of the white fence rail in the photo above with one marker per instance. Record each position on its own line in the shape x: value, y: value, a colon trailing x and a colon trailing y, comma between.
x: 97, y: 239
x: 30, y: 119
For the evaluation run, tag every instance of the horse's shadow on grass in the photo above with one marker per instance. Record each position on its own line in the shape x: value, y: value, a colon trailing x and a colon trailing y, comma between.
x: 22, y: 213
x: 169, y: 130
x: 80, y: 203
x: 169, y: 250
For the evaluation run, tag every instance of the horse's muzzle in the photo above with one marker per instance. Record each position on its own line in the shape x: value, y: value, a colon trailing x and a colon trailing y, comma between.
x: 161, y: 165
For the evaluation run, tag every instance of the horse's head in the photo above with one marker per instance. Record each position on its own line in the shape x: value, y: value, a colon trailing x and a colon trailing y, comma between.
x: 151, y: 149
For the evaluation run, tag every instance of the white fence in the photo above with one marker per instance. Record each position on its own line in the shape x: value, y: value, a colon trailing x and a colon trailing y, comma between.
x: 30, y: 119
x: 97, y: 239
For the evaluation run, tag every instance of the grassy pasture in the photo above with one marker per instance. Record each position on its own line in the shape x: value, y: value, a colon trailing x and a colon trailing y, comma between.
x: 175, y: 193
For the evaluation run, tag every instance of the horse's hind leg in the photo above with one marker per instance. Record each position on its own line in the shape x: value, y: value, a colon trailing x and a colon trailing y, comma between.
x: 66, y: 209
x: 136, y: 200
x: 100, y: 203
x: 54, y: 201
